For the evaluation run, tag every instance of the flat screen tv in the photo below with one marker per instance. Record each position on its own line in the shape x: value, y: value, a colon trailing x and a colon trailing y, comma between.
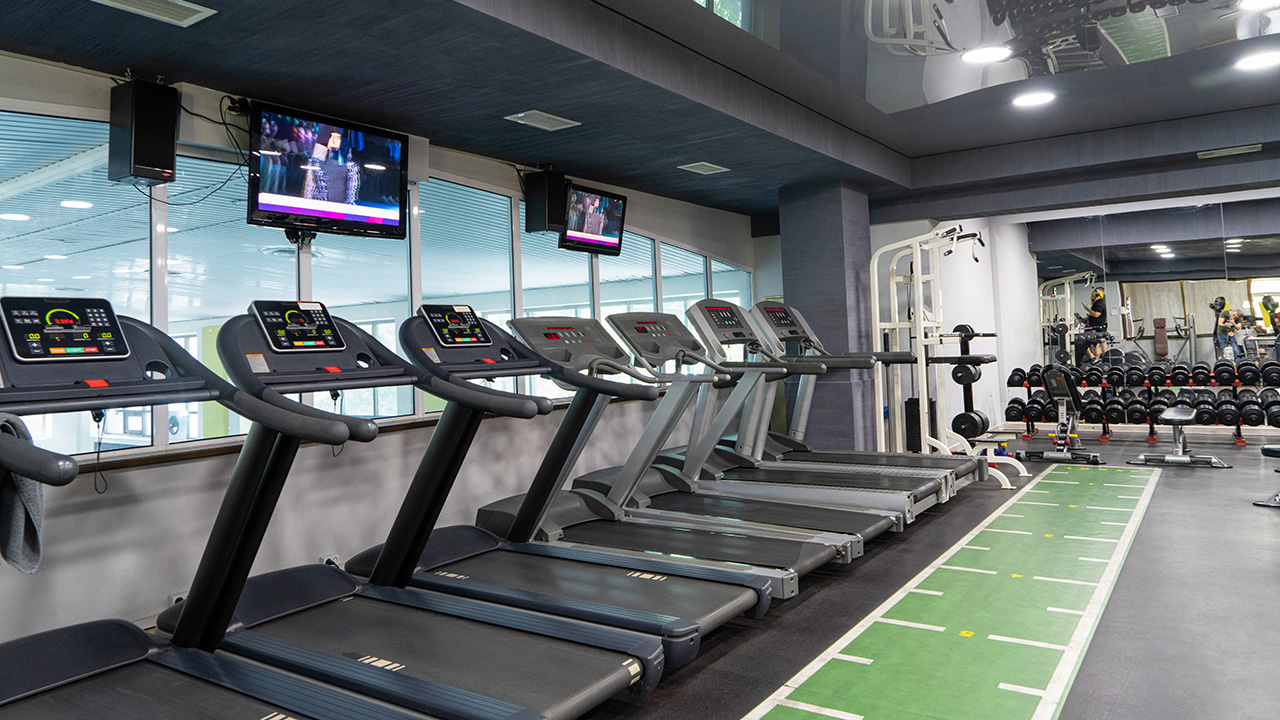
x: 313, y: 173
x: 593, y: 222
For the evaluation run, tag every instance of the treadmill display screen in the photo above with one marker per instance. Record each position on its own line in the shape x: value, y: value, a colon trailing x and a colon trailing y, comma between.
x: 455, y: 325
x: 780, y: 317
x: 297, y: 326
x: 723, y: 317
x: 42, y: 329
x: 649, y: 327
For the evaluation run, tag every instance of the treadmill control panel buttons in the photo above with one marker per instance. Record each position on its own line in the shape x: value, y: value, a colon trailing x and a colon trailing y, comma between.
x: 723, y: 317
x: 455, y: 325
x: 293, y: 326
x: 783, y: 322
x: 54, y: 329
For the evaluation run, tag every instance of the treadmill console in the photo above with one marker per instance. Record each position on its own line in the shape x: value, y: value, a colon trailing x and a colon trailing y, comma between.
x: 53, y: 329
x: 455, y: 325
x: 293, y: 326
x: 781, y: 321
x: 570, y: 342
x: 724, y: 321
x: 657, y: 337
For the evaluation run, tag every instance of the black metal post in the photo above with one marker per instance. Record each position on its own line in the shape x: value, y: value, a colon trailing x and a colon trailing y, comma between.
x: 551, y: 472
x: 430, y: 487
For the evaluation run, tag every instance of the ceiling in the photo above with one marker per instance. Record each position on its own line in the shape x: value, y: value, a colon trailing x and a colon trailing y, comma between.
x: 661, y: 83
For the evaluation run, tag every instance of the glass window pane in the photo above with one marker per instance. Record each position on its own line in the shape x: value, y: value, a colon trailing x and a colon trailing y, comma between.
x: 52, y: 249
x: 556, y: 282
x: 684, y: 279
x: 365, y: 281
x: 626, y: 281
x: 218, y: 264
x: 466, y: 254
x: 731, y: 283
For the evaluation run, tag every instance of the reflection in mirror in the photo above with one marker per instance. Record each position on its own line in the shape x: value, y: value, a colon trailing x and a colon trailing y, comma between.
x: 1070, y: 265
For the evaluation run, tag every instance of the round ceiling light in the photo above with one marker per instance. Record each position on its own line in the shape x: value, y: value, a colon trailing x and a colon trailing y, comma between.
x: 55, y: 257
x: 76, y: 204
x: 1160, y: 247
x: 13, y: 267
x: 989, y: 54
x: 1166, y: 255
x: 1233, y: 249
x: 15, y: 217
x: 1033, y: 99
x: 1259, y: 61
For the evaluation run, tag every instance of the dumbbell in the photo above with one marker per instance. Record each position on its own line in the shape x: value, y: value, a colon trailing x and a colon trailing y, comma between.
x: 1228, y: 409
x: 1135, y: 410
x: 1077, y: 375
x: 1034, y: 409
x: 1051, y: 412
x: 1224, y: 371
x: 1113, y: 410
x: 1158, y: 405
x: 1013, y: 412
x: 1115, y: 376
x: 1180, y: 375
x: 1201, y: 374
x: 1270, y: 399
x: 1205, y: 412
x: 1185, y: 398
x: 1247, y: 372
x: 1093, y: 410
x: 1251, y: 412
x: 1093, y: 376
x: 1035, y: 376
x: 1135, y: 376
x: 1270, y: 373
x: 970, y: 424
x: 1157, y: 374
x: 965, y: 374
x: 1016, y: 377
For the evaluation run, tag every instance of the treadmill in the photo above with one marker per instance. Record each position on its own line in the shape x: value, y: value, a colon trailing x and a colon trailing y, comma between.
x: 723, y: 324
x: 429, y: 652
x: 76, y: 354
x: 676, y: 602
x: 642, y: 492
x: 785, y: 326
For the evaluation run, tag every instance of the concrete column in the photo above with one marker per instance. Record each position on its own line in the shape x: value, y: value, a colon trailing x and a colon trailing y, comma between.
x: 826, y: 265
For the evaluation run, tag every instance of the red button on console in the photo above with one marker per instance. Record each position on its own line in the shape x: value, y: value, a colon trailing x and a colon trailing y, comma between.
x: 333, y: 369
x: 96, y: 383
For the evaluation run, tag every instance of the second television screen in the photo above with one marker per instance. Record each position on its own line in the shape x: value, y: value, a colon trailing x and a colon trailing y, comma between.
x: 594, y: 221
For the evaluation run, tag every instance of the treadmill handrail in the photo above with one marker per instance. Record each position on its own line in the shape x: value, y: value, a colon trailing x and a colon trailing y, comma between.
x: 36, y: 463
x: 624, y: 391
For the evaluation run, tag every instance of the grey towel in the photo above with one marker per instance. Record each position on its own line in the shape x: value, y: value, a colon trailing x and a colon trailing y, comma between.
x: 21, y: 508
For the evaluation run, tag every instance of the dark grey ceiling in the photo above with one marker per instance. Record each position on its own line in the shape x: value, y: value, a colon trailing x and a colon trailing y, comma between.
x: 656, y: 84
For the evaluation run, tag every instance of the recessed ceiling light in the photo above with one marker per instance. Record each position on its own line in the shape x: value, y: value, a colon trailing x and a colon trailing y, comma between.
x: 1235, y: 241
x: 55, y: 257
x: 1166, y: 255
x: 1259, y: 61
x: 1228, y: 152
x: 171, y: 229
x: 1034, y: 99
x: 1258, y: 4
x: 982, y: 55
x: 1233, y: 249
x: 76, y: 204
x: 13, y: 267
x: 15, y: 217
x: 44, y: 279
x: 1159, y: 247
x: 542, y: 120
x: 81, y: 277
x: 703, y: 168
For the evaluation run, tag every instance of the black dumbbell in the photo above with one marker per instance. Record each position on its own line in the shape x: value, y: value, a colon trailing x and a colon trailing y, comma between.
x: 1014, y: 410
x: 1034, y: 409
x: 970, y: 424
x: 1185, y: 398
x: 1270, y: 399
x: 1016, y: 377
x: 1168, y: 396
x: 1135, y: 376
x: 1228, y: 410
x: 1115, y: 376
x: 966, y: 374
x: 1113, y: 411
x: 1127, y: 394
x: 1158, y: 405
x: 1180, y: 375
x: 1093, y: 411
x: 1135, y: 411
x: 1224, y: 371
x: 1204, y: 406
x: 1201, y: 374
x: 1251, y: 412
x: 1051, y: 412
x: 1270, y: 373
x: 1093, y: 376
x: 1157, y: 374
x: 1077, y: 375
x: 1248, y: 373
x: 1035, y: 376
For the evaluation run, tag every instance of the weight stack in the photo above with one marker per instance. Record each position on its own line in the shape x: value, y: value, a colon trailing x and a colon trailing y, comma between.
x: 913, y: 422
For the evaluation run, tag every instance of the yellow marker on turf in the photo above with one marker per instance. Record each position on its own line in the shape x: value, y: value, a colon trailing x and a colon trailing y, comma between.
x: 1073, y: 506
x: 1048, y: 534
x: 1016, y: 575
x: 966, y: 633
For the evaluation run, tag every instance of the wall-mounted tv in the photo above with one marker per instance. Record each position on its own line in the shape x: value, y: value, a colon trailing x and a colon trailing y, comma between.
x: 593, y: 222
x: 313, y: 173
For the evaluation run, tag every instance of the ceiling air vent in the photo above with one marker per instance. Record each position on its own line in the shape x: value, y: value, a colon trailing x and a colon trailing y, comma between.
x: 1224, y: 152
x: 703, y: 168
x: 542, y: 120
x: 174, y: 12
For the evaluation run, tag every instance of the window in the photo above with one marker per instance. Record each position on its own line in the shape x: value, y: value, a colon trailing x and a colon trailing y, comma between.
x: 71, y: 232
x: 626, y: 281
x: 466, y: 254
x: 731, y: 283
x: 218, y: 264
x: 684, y: 279
x: 556, y: 282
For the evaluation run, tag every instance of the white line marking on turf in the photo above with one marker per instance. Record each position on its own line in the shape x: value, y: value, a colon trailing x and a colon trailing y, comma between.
x: 1129, y: 497
x: 816, y: 710
x: 925, y: 592
x: 1122, y: 485
x: 1063, y: 482
x: 1042, y: 492
x: 1029, y: 502
x: 1064, y: 580
x: 1108, y: 522
x: 966, y: 569
x: 853, y: 659
x: 1098, y: 507
x: 1032, y: 643
x: 1020, y: 689
x: 1070, y: 663
x: 1057, y: 472
x: 1093, y: 559
x: 1010, y: 515
x: 908, y: 623
x: 1064, y: 610
x: 1077, y: 537
x: 780, y: 695
x: 975, y: 547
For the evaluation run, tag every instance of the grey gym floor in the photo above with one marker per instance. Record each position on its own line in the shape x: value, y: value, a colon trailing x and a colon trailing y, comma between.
x: 1192, y: 629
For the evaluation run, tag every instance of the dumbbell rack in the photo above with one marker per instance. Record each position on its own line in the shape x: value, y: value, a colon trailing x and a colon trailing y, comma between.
x: 1031, y: 429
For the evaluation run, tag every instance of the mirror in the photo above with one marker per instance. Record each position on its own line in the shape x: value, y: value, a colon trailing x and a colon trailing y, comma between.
x: 1071, y: 263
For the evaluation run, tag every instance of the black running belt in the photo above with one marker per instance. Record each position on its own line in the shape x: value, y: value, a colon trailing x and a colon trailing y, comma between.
x: 914, y: 486
x: 707, y: 545
x: 849, y: 522
x: 962, y: 465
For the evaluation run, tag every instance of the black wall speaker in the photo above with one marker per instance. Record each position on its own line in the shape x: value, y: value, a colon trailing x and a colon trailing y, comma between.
x: 144, y: 133
x: 546, y: 202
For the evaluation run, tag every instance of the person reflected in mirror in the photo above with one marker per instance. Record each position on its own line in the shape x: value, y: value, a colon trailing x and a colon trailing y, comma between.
x: 1096, y: 311
x: 1095, y: 352
x: 1228, y: 332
